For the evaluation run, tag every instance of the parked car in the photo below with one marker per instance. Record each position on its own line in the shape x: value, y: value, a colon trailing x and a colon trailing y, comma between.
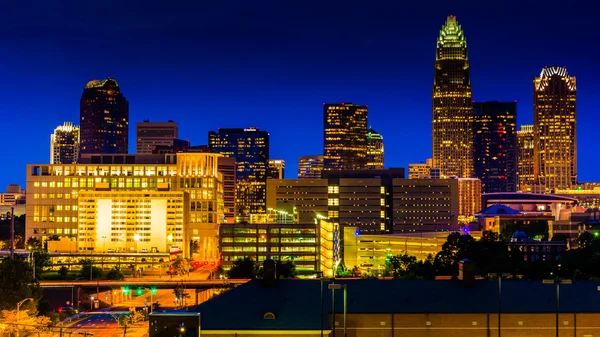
x: 144, y: 250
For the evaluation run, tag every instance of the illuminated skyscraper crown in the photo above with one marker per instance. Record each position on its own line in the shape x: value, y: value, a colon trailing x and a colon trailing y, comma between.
x: 548, y: 72
x: 451, y: 34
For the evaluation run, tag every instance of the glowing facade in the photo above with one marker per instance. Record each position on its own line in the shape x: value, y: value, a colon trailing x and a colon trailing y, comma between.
x: 104, y: 118
x: 469, y: 199
x: 133, y: 194
x: 375, y: 152
x: 525, y: 161
x: 250, y: 148
x: 452, y: 104
x: 554, y: 101
x: 345, y: 136
x: 276, y: 168
x: 310, y: 167
x: 495, y: 146
x: 64, y: 144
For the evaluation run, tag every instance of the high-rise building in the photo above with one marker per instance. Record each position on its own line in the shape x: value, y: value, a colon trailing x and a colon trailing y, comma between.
x: 250, y: 148
x: 419, y: 171
x: 310, y: 167
x: 227, y: 169
x: 64, y: 144
x: 345, y: 136
x: 375, y: 151
x: 554, y: 103
x: 276, y: 168
x: 149, y: 135
x: 495, y: 146
x: 469, y: 199
x: 104, y: 118
x: 452, y: 105
x: 525, y: 161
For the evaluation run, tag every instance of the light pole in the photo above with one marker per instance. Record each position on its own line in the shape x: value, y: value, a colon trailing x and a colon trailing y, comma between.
x: 32, y: 259
x: 104, y: 243
x: 499, y: 276
x: 557, y: 281
x: 91, y: 302
x: 18, y: 307
x: 334, y: 287
x: 136, y: 238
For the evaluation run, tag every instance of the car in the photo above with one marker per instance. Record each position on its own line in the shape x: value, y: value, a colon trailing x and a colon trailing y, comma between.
x: 110, y: 250
x: 144, y: 250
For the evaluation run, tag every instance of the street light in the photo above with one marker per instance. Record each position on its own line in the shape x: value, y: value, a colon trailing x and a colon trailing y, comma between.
x: 557, y: 281
x: 499, y: 276
x: 91, y: 302
x: 334, y: 287
x: 19, y: 306
x: 104, y: 243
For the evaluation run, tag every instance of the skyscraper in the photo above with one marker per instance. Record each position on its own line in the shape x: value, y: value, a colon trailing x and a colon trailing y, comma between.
x: 554, y: 98
x: 149, y: 135
x: 375, y: 151
x: 310, y: 167
x: 104, y: 114
x: 250, y: 148
x: 276, y: 169
x: 525, y: 161
x: 64, y: 144
x: 495, y: 146
x: 345, y: 136
x: 452, y: 104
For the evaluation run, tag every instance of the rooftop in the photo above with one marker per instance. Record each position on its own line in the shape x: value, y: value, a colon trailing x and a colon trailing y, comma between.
x: 296, y: 304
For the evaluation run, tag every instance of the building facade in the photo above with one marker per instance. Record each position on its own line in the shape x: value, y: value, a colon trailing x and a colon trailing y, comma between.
x: 525, y: 158
x: 469, y: 199
x: 227, y: 169
x: 345, y: 136
x: 419, y: 171
x: 375, y: 151
x: 495, y: 145
x: 58, y: 192
x: 425, y: 205
x: 452, y: 104
x: 150, y: 135
x: 104, y: 118
x: 64, y: 144
x: 276, y: 169
x: 310, y: 167
x: 250, y: 148
x: 554, y: 102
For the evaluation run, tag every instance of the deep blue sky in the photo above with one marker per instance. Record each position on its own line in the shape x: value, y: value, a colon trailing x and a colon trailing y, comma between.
x: 271, y: 64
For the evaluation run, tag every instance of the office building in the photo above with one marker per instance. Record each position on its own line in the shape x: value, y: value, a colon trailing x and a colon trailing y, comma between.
x: 64, y: 144
x: 57, y: 193
x: 425, y: 205
x: 150, y: 135
x: 345, y: 136
x: 469, y: 199
x: 276, y: 169
x: 226, y: 166
x: 375, y: 152
x: 452, y: 104
x: 525, y: 158
x: 310, y: 167
x: 104, y: 118
x: 310, y: 245
x: 14, y: 195
x: 419, y: 171
x: 250, y: 148
x: 554, y: 104
x: 495, y: 145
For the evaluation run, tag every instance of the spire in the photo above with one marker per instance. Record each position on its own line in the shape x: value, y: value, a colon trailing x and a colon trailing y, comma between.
x: 451, y: 34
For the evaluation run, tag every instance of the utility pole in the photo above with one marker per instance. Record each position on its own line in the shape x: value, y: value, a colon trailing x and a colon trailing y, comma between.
x: 12, y: 233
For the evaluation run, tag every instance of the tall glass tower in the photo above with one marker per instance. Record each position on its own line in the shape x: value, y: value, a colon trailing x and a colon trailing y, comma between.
x: 554, y: 98
x: 64, y: 144
x: 452, y: 104
x: 104, y: 115
x: 345, y: 136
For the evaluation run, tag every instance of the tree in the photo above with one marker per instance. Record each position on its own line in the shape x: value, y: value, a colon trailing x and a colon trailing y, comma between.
x: 194, y: 246
x: 286, y: 269
x: 127, y: 320
x: 115, y: 274
x: 180, y: 266
x: 85, y: 269
x: 243, y: 269
x: 585, y: 240
x: 399, y: 265
x: 24, y: 322
x: 63, y: 272
x: 15, y: 282
x: 42, y: 261
x: 34, y: 243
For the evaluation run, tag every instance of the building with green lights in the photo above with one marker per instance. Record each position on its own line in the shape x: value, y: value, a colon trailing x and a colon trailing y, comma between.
x: 452, y: 104
x: 375, y: 152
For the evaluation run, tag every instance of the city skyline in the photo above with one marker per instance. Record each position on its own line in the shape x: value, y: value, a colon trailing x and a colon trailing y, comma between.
x: 401, y: 112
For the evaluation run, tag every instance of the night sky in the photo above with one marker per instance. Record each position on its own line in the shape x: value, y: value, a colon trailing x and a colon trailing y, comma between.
x: 271, y: 64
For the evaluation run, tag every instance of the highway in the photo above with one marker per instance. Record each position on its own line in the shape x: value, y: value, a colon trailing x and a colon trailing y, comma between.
x: 160, y: 284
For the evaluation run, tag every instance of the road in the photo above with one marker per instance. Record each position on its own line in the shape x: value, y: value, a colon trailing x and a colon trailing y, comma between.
x: 141, y: 282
